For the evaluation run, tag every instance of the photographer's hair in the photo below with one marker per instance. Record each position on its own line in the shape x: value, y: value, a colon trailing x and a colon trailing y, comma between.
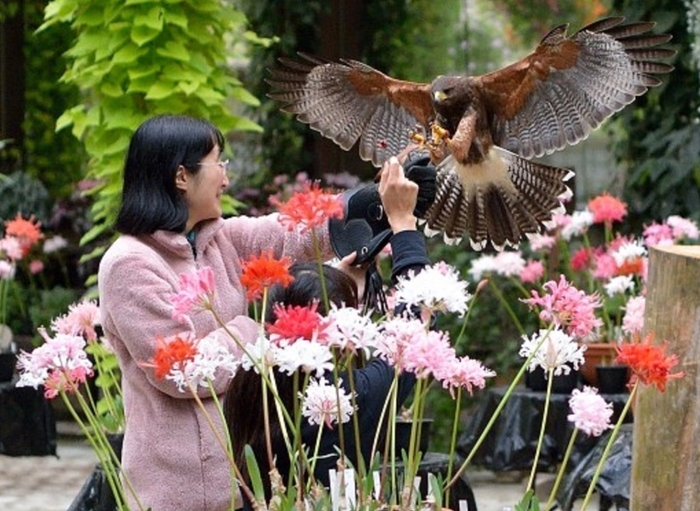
x: 243, y: 402
x: 150, y: 199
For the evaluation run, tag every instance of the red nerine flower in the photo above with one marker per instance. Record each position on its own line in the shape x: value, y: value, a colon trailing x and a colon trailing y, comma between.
x: 296, y: 322
x: 264, y: 271
x: 648, y: 362
x: 28, y: 232
x: 171, y: 352
x: 309, y: 209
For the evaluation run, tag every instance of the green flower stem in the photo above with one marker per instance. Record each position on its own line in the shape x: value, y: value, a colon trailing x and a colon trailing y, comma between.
x: 538, y: 450
x: 98, y: 448
x: 319, y: 261
x: 497, y: 411
x: 453, y: 440
x: 507, y: 306
x: 467, y: 316
x: 227, y: 434
x: 356, y: 430
x: 222, y: 444
x: 562, y: 467
x: 111, y: 462
x: 608, y: 446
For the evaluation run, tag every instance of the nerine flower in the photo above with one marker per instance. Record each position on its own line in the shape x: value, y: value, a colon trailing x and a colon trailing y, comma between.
x: 578, y: 225
x: 310, y: 357
x: 557, y: 352
x: 54, y: 244
x: 295, y: 322
x: 619, y: 285
x: 682, y: 227
x: 350, y: 330
x: 12, y: 248
x: 567, y: 306
x: 322, y: 403
x: 532, y: 272
x: 81, y: 319
x: 263, y: 272
x: 396, y: 335
x: 633, y: 320
x: 60, y: 364
x: 190, y: 362
x: 309, y: 209
x: 195, y: 293
x: 607, y: 209
x: 482, y: 265
x: 437, y: 288
x: 426, y: 355
x: 464, y: 372
x: 172, y: 353
x: 7, y: 270
x: 648, y: 362
x: 589, y: 411
x: 28, y: 231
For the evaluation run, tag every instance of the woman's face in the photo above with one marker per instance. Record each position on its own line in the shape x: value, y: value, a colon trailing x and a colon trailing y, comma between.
x: 203, y: 190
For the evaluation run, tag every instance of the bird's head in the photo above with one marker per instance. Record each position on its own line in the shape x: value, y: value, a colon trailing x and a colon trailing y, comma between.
x: 442, y: 88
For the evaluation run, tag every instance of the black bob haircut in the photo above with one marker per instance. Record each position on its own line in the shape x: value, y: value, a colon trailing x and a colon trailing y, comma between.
x: 150, y: 199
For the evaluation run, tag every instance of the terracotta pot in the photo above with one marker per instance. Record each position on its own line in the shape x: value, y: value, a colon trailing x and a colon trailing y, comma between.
x: 596, y: 354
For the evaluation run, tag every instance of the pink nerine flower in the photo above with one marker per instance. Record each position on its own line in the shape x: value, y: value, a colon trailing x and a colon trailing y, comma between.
x: 682, y: 227
x: 589, y: 411
x: 82, y: 318
x: 60, y: 364
x: 324, y: 404
x: 196, y: 293
x: 658, y: 234
x: 567, y: 306
x: 397, y: 334
x: 464, y: 372
x: 532, y: 272
x: 428, y: 354
x: 633, y: 321
x: 607, y: 209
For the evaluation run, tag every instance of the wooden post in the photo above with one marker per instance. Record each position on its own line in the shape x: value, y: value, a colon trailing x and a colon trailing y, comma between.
x: 666, y: 455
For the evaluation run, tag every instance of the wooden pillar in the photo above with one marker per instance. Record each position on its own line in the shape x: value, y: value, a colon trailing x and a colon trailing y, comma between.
x: 666, y: 456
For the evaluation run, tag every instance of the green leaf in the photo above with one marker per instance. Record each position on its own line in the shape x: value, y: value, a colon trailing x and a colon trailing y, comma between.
x: 175, y: 17
x: 111, y: 90
x: 128, y: 54
x: 174, y: 50
x: 254, y: 473
x: 160, y: 90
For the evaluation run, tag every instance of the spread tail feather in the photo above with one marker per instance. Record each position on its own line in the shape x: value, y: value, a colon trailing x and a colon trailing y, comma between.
x: 497, y: 202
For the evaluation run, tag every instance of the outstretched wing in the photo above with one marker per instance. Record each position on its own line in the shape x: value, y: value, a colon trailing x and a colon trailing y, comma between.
x: 350, y: 101
x: 568, y: 86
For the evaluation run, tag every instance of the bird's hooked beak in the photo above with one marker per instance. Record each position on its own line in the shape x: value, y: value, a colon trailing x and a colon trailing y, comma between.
x: 439, y: 96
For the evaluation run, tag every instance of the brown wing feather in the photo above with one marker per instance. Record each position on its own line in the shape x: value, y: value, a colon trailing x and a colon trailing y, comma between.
x: 569, y: 85
x: 349, y: 101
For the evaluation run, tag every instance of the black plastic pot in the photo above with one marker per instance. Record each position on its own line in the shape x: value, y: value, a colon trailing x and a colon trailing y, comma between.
x: 612, y: 379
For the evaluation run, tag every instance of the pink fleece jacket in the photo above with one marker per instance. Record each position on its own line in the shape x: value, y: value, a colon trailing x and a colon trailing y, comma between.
x: 170, y: 453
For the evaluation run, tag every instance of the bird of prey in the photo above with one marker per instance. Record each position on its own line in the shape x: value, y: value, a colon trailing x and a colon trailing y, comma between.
x: 482, y: 131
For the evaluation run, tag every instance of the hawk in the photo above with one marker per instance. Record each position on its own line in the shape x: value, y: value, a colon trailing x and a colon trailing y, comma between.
x: 482, y: 131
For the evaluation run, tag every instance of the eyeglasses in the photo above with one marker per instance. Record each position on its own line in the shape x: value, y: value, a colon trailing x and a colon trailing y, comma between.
x: 223, y: 165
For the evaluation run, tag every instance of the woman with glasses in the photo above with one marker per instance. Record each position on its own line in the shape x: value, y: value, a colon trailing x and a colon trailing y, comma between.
x: 170, y: 223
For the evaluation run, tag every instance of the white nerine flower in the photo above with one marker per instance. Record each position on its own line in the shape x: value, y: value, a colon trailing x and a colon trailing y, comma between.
x: 256, y: 353
x: 7, y: 270
x: 323, y: 403
x: 619, y: 285
x: 579, y: 224
x: 482, y: 265
x: 54, y: 244
x: 436, y: 288
x: 211, y: 357
x: 557, y: 351
x: 310, y: 357
x: 349, y: 329
x: 509, y: 264
x: 629, y: 252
